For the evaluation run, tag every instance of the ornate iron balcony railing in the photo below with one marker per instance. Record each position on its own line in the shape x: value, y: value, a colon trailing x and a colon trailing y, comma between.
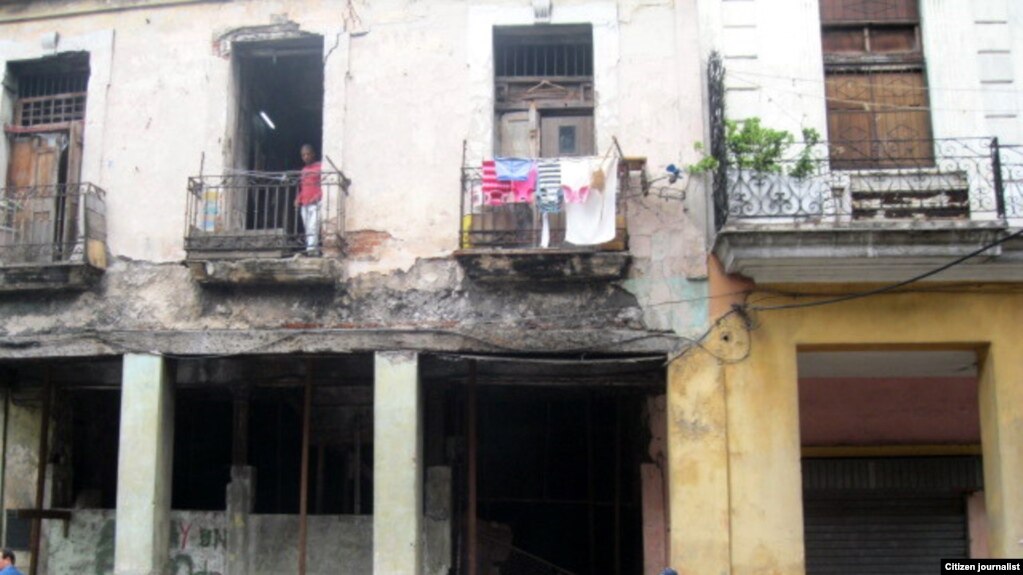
x: 953, y: 179
x: 255, y: 215
x: 52, y: 224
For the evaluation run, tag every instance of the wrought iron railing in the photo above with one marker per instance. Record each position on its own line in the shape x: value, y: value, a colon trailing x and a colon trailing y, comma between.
x: 52, y: 224
x: 520, y: 225
x: 953, y: 179
x: 256, y: 215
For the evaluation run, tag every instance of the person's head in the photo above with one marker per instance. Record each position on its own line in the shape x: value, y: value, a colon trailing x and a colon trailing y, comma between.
x: 6, y: 558
x: 308, y: 154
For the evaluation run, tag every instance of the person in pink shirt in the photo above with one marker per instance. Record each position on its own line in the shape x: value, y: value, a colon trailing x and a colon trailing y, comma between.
x: 308, y: 199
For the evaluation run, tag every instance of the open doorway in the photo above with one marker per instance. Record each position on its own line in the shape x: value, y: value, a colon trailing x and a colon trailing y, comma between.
x: 892, y: 477
x: 279, y: 102
x: 547, y: 463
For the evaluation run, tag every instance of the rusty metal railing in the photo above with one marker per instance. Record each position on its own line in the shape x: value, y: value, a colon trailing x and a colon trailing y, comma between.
x: 255, y: 214
x: 52, y: 224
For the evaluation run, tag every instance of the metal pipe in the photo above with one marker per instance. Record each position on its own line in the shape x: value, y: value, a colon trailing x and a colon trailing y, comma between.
x: 471, y: 431
x: 41, y: 471
x: 320, y: 454
x: 3, y: 453
x: 590, y: 487
x: 996, y: 171
x: 303, y: 497
x: 357, y: 471
x: 240, y: 439
x: 618, y: 490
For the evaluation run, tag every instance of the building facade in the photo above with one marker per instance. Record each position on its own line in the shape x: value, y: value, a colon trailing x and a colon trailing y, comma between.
x: 768, y: 363
x: 865, y: 393
x: 449, y: 380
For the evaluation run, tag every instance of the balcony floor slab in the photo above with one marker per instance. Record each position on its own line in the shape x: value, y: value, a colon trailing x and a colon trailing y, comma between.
x: 547, y: 265
x: 865, y: 254
x: 64, y: 276
x: 287, y: 271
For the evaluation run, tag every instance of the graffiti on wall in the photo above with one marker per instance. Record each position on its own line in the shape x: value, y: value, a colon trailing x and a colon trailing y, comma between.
x: 198, y: 545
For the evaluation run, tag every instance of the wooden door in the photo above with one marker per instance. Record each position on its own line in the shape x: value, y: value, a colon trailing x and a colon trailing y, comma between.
x: 566, y: 136
x: 32, y: 179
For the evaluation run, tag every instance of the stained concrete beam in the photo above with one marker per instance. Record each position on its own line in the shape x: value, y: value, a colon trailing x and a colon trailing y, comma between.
x: 288, y: 271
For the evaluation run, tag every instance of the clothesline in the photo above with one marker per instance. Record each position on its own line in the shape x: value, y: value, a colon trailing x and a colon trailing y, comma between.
x: 584, y: 188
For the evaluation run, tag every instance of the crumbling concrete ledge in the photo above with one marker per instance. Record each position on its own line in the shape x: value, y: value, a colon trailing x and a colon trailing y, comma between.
x: 296, y: 271
x: 69, y: 276
x: 547, y: 265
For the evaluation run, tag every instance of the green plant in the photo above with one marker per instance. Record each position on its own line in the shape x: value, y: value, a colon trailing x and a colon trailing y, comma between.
x: 804, y: 164
x: 752, y: 146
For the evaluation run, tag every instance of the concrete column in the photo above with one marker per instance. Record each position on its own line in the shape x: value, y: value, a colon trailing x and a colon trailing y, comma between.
x: 1001, y: 417
x: 241, y: 497
x: 397, y: 464
x: 764, y: 455
x: 145, y: 456
x: 700, y: 532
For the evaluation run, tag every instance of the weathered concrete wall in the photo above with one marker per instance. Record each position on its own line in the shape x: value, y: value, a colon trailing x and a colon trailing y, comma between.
x: 337, y: 544
x: 742, y: 471
x: 21, y: 460
x: 198, y: 545
x: 422, y: 61
x: 407, y: 66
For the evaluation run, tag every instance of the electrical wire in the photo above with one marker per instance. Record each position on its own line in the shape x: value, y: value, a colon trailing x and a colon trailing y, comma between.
x: 874, y: 104
x: 820, y: 81
x: 892, y: 287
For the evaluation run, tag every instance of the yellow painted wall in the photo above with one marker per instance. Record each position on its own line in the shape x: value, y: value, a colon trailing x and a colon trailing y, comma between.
x: 753, y: 443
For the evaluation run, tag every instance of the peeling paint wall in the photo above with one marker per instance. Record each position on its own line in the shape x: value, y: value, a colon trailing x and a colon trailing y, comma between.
x: 402, y: 94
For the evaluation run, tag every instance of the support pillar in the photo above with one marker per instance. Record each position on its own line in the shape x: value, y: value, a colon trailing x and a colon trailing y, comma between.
x: 700, y: 530
x: 397, y: 464
x: 765, y: 492
x: 1001, y: 416
x: 145, y: 457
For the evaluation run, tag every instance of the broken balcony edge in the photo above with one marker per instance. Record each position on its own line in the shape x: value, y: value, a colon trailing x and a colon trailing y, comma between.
x: 49, y: 277
x: 302, y: 271
x: 544, y: 265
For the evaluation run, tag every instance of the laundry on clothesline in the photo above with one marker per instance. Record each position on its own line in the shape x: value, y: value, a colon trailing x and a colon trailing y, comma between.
x: 585, y: 188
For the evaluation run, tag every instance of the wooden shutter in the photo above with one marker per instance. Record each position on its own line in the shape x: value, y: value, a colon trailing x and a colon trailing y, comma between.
x: 848, y: 11
x: 879, y: 120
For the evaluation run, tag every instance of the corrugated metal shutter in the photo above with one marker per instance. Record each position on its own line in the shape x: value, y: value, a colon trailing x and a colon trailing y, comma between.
x: 899, y: 535
x: 887, y: 515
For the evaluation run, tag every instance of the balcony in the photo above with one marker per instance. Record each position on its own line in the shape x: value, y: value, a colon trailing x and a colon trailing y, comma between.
x: 52, y: 237
x: 246, y: 229
x: 515, y: 242
x: 895, y: 210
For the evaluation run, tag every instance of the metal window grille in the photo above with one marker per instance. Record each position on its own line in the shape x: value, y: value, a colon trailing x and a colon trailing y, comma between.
x: 50, y: 98
x: 545, y: 60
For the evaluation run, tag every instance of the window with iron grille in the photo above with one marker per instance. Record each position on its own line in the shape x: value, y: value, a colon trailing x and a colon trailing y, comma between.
x: 876, y: 84
x: 543, y: 87
x: 51, y: 90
